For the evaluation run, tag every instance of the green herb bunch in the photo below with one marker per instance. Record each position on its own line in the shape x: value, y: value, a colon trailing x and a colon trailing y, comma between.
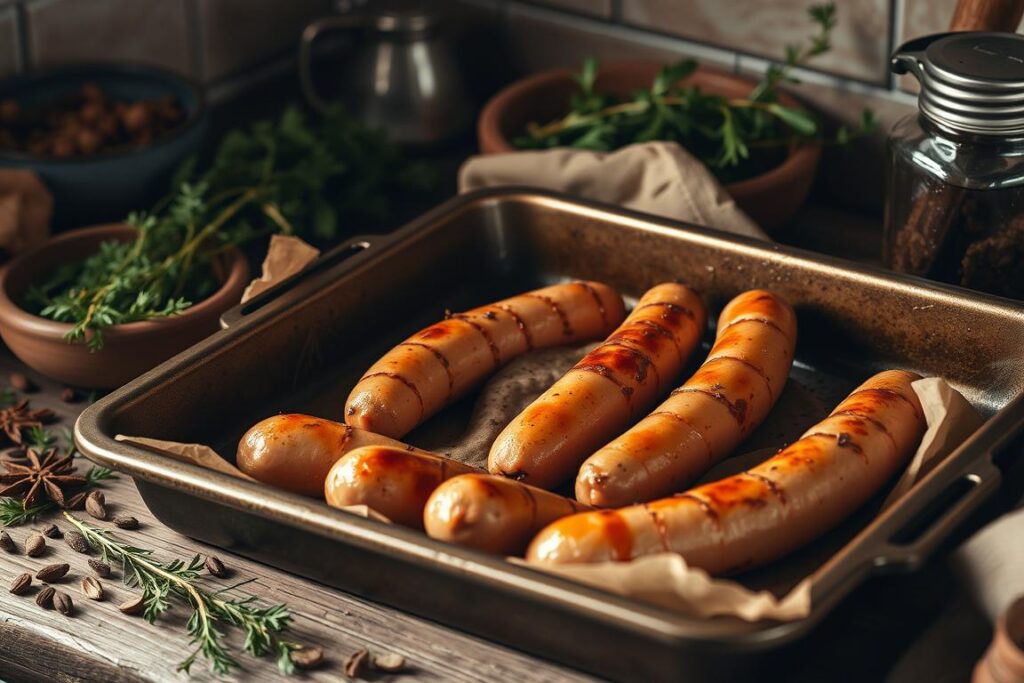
x: 163, y: 582
x: 736, y: 138
x: 291, y: 177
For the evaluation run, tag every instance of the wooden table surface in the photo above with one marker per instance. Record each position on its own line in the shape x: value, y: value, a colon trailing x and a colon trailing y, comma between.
x: 99, y: 643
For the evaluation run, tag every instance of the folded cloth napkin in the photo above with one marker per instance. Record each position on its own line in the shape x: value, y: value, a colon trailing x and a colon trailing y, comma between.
x: 659, y: 178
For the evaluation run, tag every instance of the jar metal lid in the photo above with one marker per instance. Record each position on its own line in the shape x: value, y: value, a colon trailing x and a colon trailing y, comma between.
x: 971, y: 82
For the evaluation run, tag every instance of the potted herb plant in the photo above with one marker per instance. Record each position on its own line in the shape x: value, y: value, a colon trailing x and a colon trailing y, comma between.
x: 96, y: 307
x: 760, y: 142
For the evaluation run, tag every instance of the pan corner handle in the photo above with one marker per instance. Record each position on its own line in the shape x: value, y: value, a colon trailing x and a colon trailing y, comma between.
x: 345, y: 256
x: 910, y: 546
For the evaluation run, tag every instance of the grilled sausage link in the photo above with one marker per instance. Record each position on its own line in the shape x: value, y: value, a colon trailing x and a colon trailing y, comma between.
x: 440, y: 363
x: 492, y: 513
x: 761, y: 514
x: 706, y: 418
x: 601, y: 394
x: 295, y: 452
x: 394, y: 481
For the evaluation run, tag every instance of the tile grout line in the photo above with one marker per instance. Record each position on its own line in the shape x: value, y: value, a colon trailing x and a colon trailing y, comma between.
x: 197, y: 57
x: 22, y: 56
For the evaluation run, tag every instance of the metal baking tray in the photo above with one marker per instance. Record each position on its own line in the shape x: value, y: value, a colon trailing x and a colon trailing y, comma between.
x: 301, y: 346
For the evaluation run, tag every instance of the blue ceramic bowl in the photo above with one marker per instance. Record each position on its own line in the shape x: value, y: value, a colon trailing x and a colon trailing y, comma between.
x: 106, y: 186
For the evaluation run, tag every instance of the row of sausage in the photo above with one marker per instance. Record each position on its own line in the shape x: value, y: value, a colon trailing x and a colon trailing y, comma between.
x: 632, y: 460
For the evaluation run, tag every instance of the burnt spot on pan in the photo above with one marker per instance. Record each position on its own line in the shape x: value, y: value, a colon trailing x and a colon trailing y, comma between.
x: 398, y: 378
x: 440, y: 358
x: 597, y: 300
x: 566, y: 326
x: 466, y: 319
x: 520, y: 324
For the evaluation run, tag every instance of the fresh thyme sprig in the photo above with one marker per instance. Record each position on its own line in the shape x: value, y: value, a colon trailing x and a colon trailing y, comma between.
x: 290, y: 176
x: 161, y: 582
x: 40, y: 439
x: 735, y: 137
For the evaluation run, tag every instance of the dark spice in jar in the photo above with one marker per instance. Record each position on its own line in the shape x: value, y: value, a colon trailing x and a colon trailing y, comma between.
x: 87, y: 122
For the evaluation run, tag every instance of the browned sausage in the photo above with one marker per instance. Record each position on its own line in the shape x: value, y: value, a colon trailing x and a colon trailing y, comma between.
x: 601, y: 394
x: 491, y: 513
x: 440, y: 363
x: 705, y: 419
x: 759, y: 515
x: 295, y: 452
x: 396, y: 482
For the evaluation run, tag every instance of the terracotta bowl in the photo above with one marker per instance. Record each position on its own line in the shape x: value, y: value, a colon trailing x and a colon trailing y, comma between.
x: 129, y: 349
x: 770, y: 199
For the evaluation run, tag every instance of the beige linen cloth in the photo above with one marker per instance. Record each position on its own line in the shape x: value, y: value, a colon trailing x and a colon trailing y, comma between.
x: 659, y: 178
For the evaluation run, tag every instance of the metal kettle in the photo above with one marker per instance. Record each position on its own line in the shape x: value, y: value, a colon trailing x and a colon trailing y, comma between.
x: 402, y: 77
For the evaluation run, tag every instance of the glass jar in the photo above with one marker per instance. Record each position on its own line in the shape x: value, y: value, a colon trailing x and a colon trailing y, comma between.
x: 955, y: 179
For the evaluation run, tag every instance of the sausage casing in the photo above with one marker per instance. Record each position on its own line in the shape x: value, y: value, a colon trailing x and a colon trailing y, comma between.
x: 759, y: 515
x: 706, y: 418
x: 492, y: 513
x: 602, y: 393
x: 294, y: 451
x: 440, y: 363
x: 394, y: 481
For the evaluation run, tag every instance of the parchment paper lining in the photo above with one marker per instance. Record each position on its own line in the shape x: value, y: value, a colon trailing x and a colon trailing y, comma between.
x: 664, y: 579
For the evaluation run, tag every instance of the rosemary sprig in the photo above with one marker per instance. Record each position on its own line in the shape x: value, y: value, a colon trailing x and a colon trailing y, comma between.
x: 736, y: 138
x: 161, y: 582
x: 40, y: 439
x: 13, y: 511
x: 96, y: 474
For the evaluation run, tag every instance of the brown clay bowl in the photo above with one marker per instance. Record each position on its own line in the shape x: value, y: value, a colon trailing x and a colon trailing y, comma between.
x: 771, y: 198
x: 129, y: 349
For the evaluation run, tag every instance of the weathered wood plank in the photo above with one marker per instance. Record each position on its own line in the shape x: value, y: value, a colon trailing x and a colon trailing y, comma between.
x: 100, y: 643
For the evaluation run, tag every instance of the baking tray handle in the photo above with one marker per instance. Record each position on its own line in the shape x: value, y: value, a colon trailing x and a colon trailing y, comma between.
x: 350, y: 254
x: 913, y: 543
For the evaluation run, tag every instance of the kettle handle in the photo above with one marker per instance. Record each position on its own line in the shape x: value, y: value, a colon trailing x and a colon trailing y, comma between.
x: 309, y: 35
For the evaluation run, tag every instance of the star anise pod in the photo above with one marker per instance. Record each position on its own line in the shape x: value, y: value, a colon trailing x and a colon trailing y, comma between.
x: 17, y: 418
x: 47, y: 474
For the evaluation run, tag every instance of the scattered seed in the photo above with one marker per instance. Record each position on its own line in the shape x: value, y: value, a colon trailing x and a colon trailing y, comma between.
x: 68, y: 395
x: 44, y: 598
x: 53, y: 572
x: 75, y: 502
x: 307, y: 657
x: 356, y: 663
x: 94, y: 505
x: 98, y: 496
x: 102, y: 569
x: 21, y: 382
x: 35, y: 545
x: 21, y: 583
x: 390, y: 662
x: 7, y: 543
x: 215, y: 566
x: 128, y: 522
x: 92, y: 588
x: 62, y: 601
x: 76, y: 541
x: 133, y: 606
x: 52, y: 531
